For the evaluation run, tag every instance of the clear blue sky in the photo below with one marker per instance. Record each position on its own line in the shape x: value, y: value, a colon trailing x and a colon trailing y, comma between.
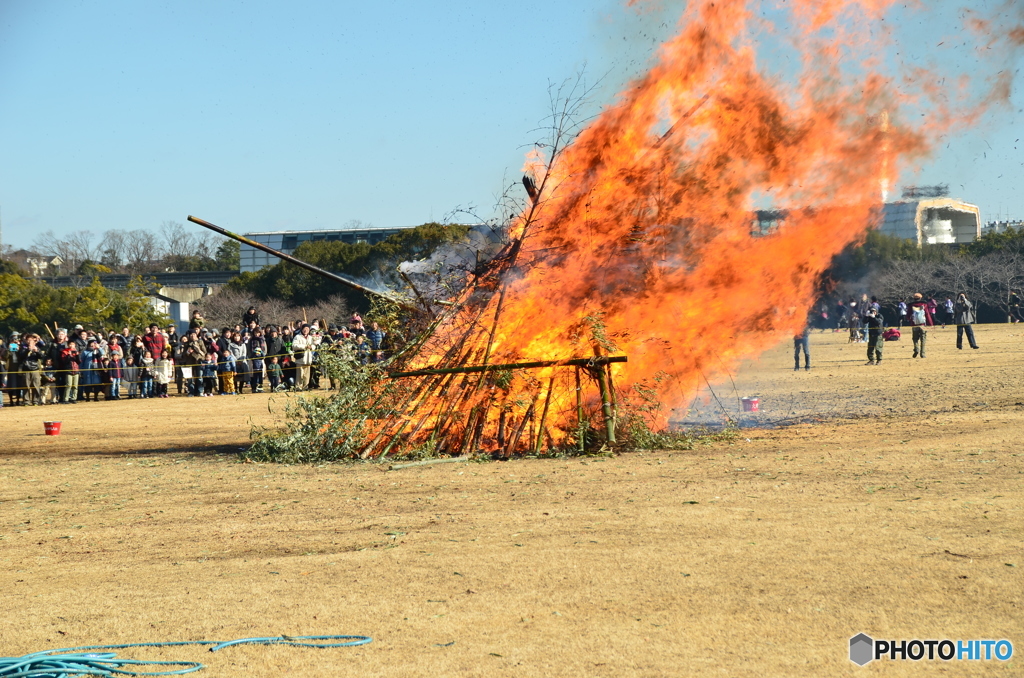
x: 268, y: 115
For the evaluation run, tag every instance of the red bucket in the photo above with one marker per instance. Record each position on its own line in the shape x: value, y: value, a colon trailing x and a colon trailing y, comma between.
x: 52, y: 428
x: 751, y: 404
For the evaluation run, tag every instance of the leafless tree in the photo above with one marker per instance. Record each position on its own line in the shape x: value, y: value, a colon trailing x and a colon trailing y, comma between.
x: 1004, y: 275
x: 83, y: 246
x: 112, y: 249
x: 904, y: 278
x: 140, y: 250
x: 73, y: 249
x: 225, y: 308
x: 178, y: 241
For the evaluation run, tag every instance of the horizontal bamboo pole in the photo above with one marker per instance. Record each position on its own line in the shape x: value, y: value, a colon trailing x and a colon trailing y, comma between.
x: 427, y: 462
x: 579, y: 362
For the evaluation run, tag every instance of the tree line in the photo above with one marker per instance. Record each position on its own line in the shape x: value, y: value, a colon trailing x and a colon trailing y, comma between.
x: 31, y: 305
x: 990, y: 271
x: 169, y: 247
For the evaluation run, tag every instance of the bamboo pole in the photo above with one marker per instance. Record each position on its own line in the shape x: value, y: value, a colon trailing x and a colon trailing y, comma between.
x: 501, y: 427
x: 579, y: 413
x: 511, y: 447
x: 427, y: 462
x: 426, y: 306
x: 614, y: 395
x: 606, y: 404
x: 577, y: 362
x: 544, y: 416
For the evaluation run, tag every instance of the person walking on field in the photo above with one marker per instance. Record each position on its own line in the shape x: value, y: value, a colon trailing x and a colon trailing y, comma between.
x: 919, y: 317
x: 802, y: 342
x: 873, y: 323
x: 964, y: 317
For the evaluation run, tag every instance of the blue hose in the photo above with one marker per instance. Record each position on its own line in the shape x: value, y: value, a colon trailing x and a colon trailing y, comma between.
x: 77, y: 661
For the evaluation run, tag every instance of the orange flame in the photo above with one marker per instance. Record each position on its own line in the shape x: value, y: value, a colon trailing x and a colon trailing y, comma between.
x: 643, y: 227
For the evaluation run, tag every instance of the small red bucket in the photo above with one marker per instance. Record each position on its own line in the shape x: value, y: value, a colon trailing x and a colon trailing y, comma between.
x: 751, y: 404
x: 52, y: 428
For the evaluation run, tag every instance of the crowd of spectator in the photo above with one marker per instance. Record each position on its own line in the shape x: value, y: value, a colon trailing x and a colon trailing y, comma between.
x: 81, y: 364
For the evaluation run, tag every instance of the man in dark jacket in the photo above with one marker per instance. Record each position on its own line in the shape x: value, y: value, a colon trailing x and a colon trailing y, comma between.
x: 873, y: 323
x: 275, y: 344
x: 54, y: 353
x: 31, y: 357
x: 919, y: 318
x: 963, y: 316
x: 250, y: 316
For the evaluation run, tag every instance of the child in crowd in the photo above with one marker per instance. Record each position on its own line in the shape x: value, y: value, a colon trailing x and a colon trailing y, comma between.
x: 163, y: 374
x: 130, y: 376
x: 256, y: 376
x: 146, y: 375
x: 208, y: 371
x: 274, y: 373
x: 49, y: 383
x: 115, y: 371
x: 226, y: 372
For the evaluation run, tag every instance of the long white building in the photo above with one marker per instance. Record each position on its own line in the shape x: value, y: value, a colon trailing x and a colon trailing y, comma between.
x: 252, y: 259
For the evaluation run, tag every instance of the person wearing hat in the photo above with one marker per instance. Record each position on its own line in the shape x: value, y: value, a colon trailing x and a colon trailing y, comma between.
x: 919, y: 318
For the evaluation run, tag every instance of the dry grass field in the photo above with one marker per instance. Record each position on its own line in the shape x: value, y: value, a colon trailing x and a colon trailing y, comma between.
x: 890, y: 502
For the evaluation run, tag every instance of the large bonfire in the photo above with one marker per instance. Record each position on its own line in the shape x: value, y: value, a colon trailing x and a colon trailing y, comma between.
x: 638, y: 239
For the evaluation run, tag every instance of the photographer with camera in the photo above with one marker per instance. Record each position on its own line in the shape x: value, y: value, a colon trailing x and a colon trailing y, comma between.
x: 31, y: 357
x: 964, y: 317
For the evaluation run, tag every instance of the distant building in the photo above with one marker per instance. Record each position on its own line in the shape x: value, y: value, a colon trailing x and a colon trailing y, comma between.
x: 926, y: 221
x: 252, y: 259
x: 932, y: 221
x: 1002, y: 226
x: 37, y: 264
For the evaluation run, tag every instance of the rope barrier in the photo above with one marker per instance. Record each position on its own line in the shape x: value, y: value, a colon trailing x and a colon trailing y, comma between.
x: 74, y: 661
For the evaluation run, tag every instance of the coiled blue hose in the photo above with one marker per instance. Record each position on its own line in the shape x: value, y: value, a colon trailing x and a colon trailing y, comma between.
x: 77, y: 661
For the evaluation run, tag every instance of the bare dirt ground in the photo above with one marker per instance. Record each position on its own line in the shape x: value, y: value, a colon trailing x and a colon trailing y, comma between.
x: 892, y: 506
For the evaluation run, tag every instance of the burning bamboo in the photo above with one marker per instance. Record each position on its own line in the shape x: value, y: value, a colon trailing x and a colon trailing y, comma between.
x: 472, y: 369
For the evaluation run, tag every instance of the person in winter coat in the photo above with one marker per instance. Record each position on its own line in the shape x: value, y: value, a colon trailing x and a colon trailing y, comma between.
x: 209, y: 372
x: 963, y: 316
x: 919, y: 318
x: 375, y: 338
x: 302, y: 349
x: 193, y: 353
x: 250, y: 316
x: 163, y: 372
x: 873, y: 323
x: 130, y: 375
x: 115, y: 373
x: 154, y: 341
x: 92, y: 363
x: 31, y: 357
x: 256, y: 346
x: 226, y: 372
x: 240, y: 352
